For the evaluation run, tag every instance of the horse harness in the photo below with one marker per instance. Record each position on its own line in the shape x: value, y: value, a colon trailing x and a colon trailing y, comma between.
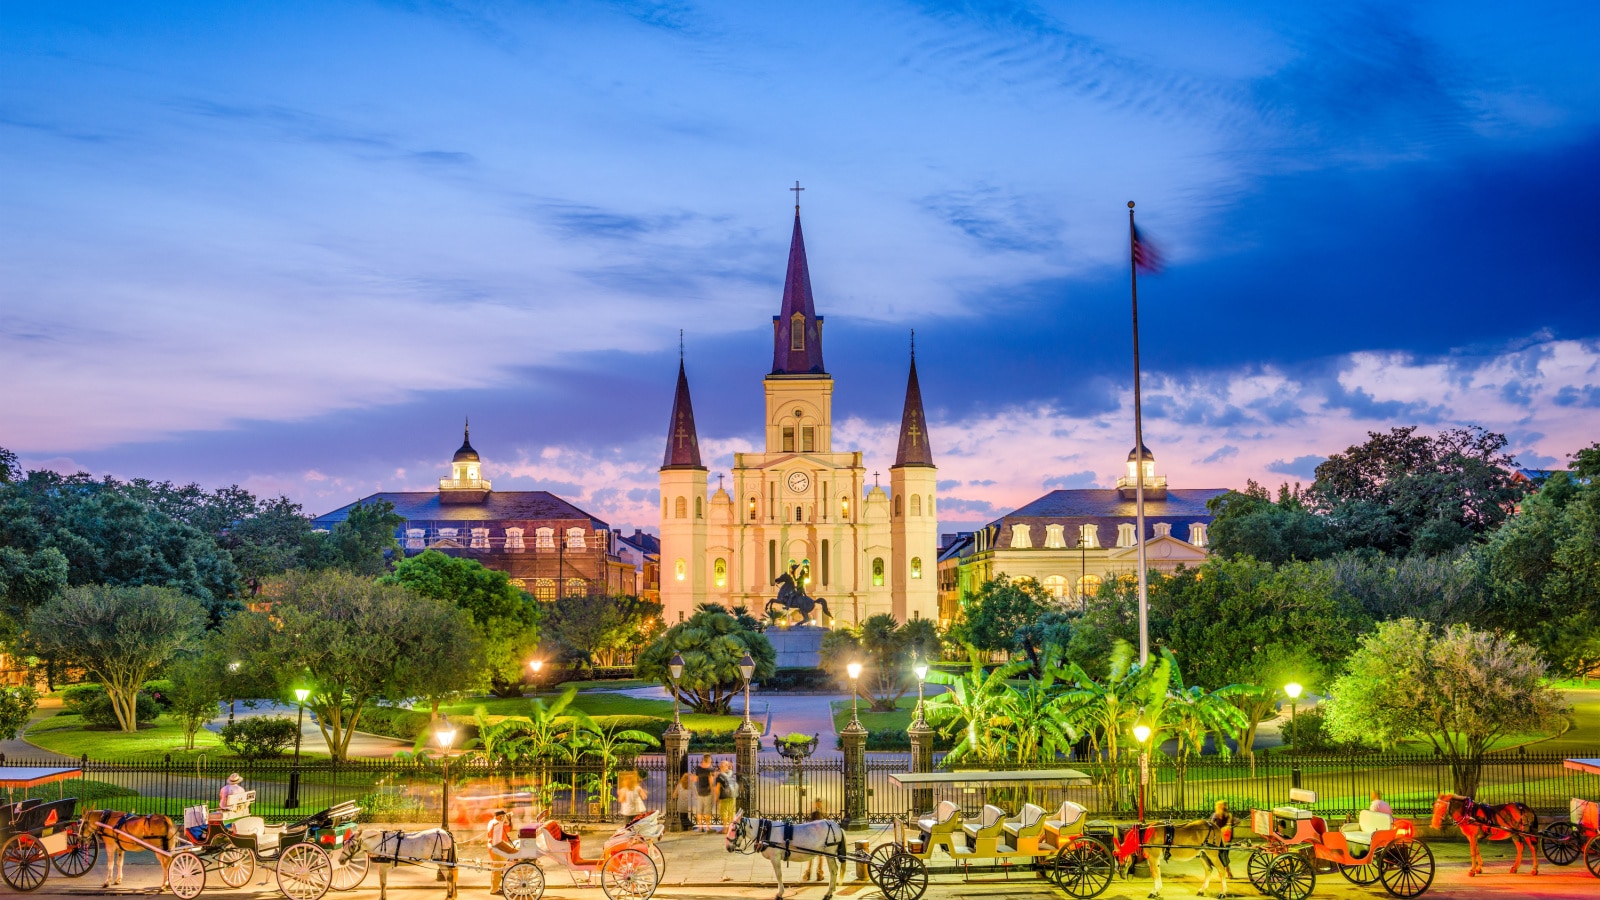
x: 780, y: 835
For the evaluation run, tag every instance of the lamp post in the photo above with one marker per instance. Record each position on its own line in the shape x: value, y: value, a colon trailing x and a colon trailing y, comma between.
x: 920, y: 667
x: 293, y: 800
x: 445, y: 735
x: 855, y: 694
x: 233, y: 669
x: 747, y: 668
x: 1293, y: 689
x: 1141, y: 733
x: 536, y: 665
x: 675, y: 672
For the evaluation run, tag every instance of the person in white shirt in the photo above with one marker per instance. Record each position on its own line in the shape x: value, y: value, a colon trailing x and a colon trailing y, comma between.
x: 1378, y: 804
x: 631, y: 795
x: 232, y: 796
x: 501, y: 848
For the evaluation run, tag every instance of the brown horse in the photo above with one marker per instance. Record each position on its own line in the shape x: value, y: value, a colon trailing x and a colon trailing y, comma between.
x: 1496, y: 823
x: 152, y: 829
x: 1178, y: 843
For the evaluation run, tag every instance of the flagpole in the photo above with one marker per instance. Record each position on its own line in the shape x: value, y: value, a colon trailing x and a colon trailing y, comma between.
x: 1138, y: 450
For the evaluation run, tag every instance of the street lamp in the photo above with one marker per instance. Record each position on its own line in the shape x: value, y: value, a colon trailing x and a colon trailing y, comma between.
x: 920, y: 667
x: 1293, y: 689
x: 747, y: 668
x: 233, y: 669
x: 675, y: 672
x: 445, y: 735
x: 1141, y: 733
x: 536, y: 665
x: 293, y: 800
x: 855, y: 693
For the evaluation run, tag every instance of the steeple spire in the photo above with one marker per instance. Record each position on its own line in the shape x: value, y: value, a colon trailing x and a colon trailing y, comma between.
x: 683, y: 446
x: 914, y: 449
x: 797, y: 329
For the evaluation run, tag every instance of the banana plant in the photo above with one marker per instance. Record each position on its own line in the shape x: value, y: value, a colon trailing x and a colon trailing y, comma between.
x: 974, y: 704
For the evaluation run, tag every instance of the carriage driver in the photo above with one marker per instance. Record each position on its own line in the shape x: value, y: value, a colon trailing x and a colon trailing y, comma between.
x: 233, y: 797
x: 501, y: 848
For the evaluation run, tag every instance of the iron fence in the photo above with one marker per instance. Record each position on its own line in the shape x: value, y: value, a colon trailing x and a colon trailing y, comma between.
x: 788, y: 789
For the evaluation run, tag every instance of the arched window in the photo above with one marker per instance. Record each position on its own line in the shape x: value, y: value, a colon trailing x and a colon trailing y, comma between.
x: 520, y: 584
x: 577, y: 587
x: 916, y: 504
x: 1056, y: 586
x: 1088, y: 587
x: 699, y: 508
x: 844, y: 508
x: 514, y: 539
x: 680, y: 508
x: 544, y: 538
x: 1020, y: 537
x: 916, y: 567
x: 797, y: 332
x: 1197, y: 534
x: 752, y: 507
x: 877, y: 571
x: 575, y: 539
x: 679, y: 569
x: 544, y: 589
x: 899, y: 505
x: 719, y: 569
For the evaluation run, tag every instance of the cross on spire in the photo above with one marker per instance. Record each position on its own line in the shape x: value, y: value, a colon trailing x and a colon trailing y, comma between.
x: 913, y: 344
x: 874, y: 479
x: 680, y: 345
x: 797, y: 189
x: 915, y: 433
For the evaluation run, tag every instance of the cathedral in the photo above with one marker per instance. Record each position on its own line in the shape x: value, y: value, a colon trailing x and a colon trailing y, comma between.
x: 800, y: 501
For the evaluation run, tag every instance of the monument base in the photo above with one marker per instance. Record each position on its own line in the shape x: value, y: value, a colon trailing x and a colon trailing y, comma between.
x: 798, y: 647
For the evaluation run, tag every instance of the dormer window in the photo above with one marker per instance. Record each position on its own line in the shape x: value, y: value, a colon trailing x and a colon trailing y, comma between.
x: 414, y: 538
x: 1126, y: 536
x: 1197, y: 534
x: 575, y: 539
x: 1089, y: 537
x: 514, y: 539
x: 1054, y: 539
x: 480, y: 539
x: 544, y: 538
x: 1163, y: 529
x: 1020, y: 539
x: 797, y: 332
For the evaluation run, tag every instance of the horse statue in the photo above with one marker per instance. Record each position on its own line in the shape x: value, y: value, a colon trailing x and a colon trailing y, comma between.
x: 792, y: 596
x: 778, y: 840
x: 1480, y: 821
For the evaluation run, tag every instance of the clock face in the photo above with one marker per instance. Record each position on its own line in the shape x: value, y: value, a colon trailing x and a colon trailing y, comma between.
x: 799, y: 482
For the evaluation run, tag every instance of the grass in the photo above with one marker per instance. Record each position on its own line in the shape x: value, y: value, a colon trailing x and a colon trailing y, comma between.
x: 899, y: 720
x: 597, y: 703
x: 87, y: 790
x: 67, y: 735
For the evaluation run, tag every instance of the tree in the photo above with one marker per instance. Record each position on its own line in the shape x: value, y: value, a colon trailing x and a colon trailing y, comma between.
x: 9, y: 470
x: 1459, y: 689
x: 883, y: 647
x: 1401, y: 491
x: 1442, y: 589
x: 362, y: 543
x: 1248, y: 523
x: 712, y: 642
x: 26, y: 581
x: 121, y: 635
x: 348, y: 639
x: 506, y: 618
x: 599, y: 630
x: 999, y: 613
x: 974, y: 704
x: 195, y: 694
x: 16, y: 708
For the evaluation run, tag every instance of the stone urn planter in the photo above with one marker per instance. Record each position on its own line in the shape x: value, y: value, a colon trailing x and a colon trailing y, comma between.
x: 796, y: 747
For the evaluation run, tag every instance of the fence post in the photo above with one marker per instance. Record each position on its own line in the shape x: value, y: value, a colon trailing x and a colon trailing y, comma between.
x: 166, y: 791
x: 1522, y: 767
x: 921, y: 761
x: 854, y: 739
x: 675, y: 740
x: 746, y: 744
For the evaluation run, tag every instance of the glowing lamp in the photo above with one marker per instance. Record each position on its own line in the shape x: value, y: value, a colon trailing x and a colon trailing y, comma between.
x: 536, y: 665
x: 676, y: 666
x: 1141, y: 732
x: 301, y: 694
x: 747, y: 666
x: 854, y: 669
x: 921, y: 669
x: 1293, y: 689
x: 445, y: 735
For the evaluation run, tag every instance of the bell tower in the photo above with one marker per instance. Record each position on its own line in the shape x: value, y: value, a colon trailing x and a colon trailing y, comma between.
x: 683, y: 510
x: 913, y: 523
x: 466, y: 483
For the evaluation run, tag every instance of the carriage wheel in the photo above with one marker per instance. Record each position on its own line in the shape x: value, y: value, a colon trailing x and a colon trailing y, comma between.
x: 1290, y: 877
x: 1083, y: 868
x: 82, y: 851
x: 1406, y: 868
x: 880, y: 855
x: 659, y: 858
x: 24, y: 864
x: 1260, y: 861
x: 186, y: 875
x: 304, y: 872
x: 523, y: 881
x: 349, y: 872
x: 1561, y: 844
x: 1591, y: 856
x: 235, y: 866
x: 903, y: 877
x: 629, y: 875
x: 1364, y: 874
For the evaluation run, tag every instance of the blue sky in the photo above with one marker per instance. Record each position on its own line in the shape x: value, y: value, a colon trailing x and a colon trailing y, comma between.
x: 291, y: 245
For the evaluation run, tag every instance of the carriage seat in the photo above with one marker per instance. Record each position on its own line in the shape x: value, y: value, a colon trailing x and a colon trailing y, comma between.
x: 946, y: 814
x: 1370, y: 823
x: 1066, y: 817
x: 1297, y: 795
x: 1023, y: 831
x: 266, y: 836
x: 983, y: 838
x: 44, y: 818
x: 1585, y: 814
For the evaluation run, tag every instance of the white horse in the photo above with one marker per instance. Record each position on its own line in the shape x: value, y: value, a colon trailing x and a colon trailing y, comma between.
x: 412, y: 847
x: 775, y: 840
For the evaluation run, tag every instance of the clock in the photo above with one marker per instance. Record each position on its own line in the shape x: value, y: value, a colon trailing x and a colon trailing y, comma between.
x: 799, y: 482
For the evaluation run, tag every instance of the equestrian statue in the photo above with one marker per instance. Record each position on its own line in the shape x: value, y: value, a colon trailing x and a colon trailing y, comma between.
x: 792, y: 597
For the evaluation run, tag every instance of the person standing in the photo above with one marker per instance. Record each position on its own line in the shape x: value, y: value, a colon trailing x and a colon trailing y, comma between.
x: 501, y: 848
x: 727, y: 792
x: 631, y: 795
x: 686, y: 801
x: 705, y: 793
x: 815, y: 859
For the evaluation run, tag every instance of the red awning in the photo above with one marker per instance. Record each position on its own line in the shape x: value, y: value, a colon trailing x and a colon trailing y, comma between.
x: 33, y: 776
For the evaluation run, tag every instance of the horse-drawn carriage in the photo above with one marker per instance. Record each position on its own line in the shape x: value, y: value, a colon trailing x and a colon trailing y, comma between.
x: 1563, y: 842
x: 1299, y: 846
x: 36, y: 834
x: 630, y: 865
x: 308, y: 856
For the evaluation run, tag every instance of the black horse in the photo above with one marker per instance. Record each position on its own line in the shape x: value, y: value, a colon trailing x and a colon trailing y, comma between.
x: 792, y: 598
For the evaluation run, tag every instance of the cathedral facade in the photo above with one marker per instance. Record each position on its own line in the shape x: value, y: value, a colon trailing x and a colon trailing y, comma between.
x: 800, y: 501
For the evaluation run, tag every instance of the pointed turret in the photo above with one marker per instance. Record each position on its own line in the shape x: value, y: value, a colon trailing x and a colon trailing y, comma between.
x: 683, y: 446
x: 797, y: 329
x: 914, y: 449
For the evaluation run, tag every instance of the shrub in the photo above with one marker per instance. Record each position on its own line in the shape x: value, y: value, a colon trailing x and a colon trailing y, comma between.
x: 1307, y: 732
x: 160, y: 691
x: 785, y: 680
x: 98, y: 712
x: 259, y: 737
x: 392, y: 721
x: 73, y: 699
x: 897, y: 739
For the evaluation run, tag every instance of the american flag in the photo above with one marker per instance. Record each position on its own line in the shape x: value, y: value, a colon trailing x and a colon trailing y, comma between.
x: 1146, y: 257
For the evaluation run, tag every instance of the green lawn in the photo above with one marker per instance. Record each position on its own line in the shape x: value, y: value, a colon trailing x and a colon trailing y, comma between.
x: 66, y: 734
x: 899, y: 720
x: 597, y: 703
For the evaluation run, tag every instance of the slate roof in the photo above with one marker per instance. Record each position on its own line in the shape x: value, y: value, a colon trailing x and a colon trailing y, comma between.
x: 683, y: 445
x: 424, y: 506
x: 797, y: 299
x: 1096, y: 502
x: 914, y: 449
x: 644, y: 541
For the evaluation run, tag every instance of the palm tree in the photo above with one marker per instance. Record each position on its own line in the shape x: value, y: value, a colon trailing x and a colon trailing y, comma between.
x: 1107, y: 712
x: 1194, y: 714
x: 974, y: 700
x: 611, y: 745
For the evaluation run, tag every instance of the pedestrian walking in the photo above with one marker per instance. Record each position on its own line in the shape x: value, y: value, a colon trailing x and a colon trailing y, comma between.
x: 501, y: 848
x: 705, y: 794
x: 631, y: 795
x: 727, y: 785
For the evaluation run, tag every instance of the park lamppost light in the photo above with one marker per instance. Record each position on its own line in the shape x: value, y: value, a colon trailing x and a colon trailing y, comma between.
x: 293, y: 800
x: 1141, y: 733
x: 446, y: 736
x: 920, y: 667
x: 855, y: 694
x: 747, y: 668
x: 1293, y: 689
x: 675, y: 672
x: 536, y: 665
x: 233, y: 669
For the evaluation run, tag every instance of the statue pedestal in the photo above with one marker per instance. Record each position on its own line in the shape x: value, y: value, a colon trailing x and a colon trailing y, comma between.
x: 798, y: 647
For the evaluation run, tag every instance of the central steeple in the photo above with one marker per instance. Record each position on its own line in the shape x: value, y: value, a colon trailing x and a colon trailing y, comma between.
x: 797, y: 329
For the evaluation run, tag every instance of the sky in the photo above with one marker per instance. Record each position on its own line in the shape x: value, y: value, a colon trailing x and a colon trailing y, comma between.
x: 292, y: 245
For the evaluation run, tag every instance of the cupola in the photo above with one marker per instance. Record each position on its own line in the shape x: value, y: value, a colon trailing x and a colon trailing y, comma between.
x: 466, y: 483
x: 1155, y: 486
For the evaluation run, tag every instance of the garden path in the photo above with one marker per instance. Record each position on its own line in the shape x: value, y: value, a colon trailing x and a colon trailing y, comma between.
x: 366, y: 746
